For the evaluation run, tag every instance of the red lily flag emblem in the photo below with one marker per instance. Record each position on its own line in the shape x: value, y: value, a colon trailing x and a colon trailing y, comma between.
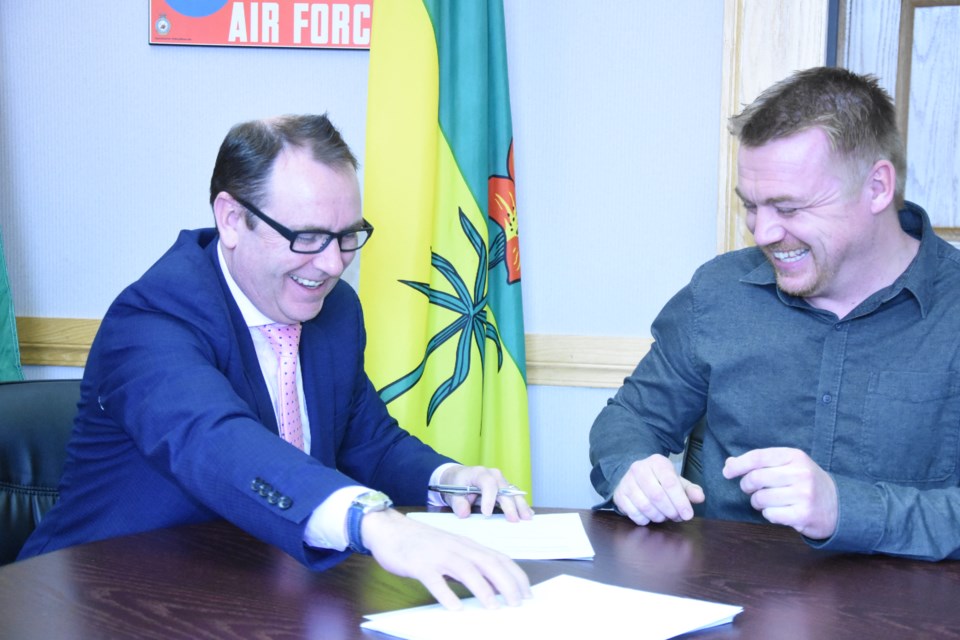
x: 502, y: 205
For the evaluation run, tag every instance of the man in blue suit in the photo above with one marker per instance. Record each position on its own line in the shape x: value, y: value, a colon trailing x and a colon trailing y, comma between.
x: 181, y: 417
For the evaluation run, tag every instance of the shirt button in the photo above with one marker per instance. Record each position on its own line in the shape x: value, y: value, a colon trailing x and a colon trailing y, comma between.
x: 838, y: 326
x: 826, y: 398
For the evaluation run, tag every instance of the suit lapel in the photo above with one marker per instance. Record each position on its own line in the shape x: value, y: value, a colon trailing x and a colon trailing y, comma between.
x: 316, y: 364
x: 255, y: 391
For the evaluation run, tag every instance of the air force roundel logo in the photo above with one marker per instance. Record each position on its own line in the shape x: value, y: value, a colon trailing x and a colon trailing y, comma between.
x: 196, y: 8
x: 162, y: 25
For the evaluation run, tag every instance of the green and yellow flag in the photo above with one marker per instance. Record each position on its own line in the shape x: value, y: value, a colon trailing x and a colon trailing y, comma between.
x: 440, y: 280
x: 9, y: 347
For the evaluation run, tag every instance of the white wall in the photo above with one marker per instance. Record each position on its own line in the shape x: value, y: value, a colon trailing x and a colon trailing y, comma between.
x: 616, y: 119
x: 106, y: 147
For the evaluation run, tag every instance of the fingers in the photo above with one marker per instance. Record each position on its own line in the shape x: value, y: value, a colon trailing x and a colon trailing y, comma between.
x: 411, y: 549
x: 757, y: 459
x: 652, y: 491
x: 474, y: 579
x: 515, y: 508
x: 808, y: 510
x: 694, y: 491
x: 487, y: 573
x: 770, y: 468
x: 480, y: 571
x: 439, y: 589
x: 490, y: 481
x: 787, y: 487
x: 461, y: 505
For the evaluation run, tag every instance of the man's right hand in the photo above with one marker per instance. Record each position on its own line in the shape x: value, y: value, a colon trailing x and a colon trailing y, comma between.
x: 652, y: 491
x: 414, y: 550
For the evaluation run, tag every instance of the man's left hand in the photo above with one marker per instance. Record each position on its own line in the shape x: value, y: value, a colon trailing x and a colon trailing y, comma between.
x: 789, y: 488
x: 490, y: 481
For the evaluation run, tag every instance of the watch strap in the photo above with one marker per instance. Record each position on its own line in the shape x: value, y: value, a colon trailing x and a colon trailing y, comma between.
x: 366, y: 502
x: 354, y: 538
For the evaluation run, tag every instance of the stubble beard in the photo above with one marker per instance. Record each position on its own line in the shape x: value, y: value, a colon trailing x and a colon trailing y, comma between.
x: 811, y: 284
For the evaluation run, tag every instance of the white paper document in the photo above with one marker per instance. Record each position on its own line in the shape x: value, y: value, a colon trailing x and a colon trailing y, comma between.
x: 549, y: 536
x: 564, y: 606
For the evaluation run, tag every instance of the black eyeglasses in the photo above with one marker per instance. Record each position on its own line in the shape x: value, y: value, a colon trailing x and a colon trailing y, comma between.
x: 314, y: 240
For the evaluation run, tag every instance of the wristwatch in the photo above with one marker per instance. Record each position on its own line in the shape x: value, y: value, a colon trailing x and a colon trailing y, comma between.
x: 366, y: 502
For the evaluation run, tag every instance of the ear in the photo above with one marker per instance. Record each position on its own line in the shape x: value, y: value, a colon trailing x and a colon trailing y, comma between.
x: 881, y: 185
x: 229, y: 215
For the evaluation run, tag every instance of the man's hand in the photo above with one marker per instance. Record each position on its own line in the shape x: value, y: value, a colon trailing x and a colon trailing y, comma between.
x: 490, y: 482
x: 652, y: 491
x: 414, y: 550
x: 789, y: 488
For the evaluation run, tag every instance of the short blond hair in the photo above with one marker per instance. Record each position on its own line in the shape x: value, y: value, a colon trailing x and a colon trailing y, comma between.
x: 854, y: 111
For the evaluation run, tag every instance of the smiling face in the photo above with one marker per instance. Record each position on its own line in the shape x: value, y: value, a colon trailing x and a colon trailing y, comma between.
x: 810, y: 217
x: 301, y: 194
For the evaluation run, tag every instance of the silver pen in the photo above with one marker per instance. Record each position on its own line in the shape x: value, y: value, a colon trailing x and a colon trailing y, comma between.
x: 465, y: 489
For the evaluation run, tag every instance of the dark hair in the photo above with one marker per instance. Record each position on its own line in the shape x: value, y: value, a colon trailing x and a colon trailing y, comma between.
x: 853, y: 110
x: 247, y: 153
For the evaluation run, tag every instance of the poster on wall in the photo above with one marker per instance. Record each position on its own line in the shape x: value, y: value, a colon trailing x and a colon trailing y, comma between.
x: 282, y: 23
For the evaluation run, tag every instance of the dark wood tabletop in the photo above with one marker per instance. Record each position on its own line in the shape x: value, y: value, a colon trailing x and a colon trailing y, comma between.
x: 214, y: 581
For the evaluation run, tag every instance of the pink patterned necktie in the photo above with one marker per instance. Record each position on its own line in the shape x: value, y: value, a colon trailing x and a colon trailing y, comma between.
x: 285, y: 340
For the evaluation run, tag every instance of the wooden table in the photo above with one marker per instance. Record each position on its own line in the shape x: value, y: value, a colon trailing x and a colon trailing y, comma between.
x: 214, y: 581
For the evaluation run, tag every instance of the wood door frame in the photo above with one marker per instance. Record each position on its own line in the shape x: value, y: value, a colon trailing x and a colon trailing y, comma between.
x: 904, y: 64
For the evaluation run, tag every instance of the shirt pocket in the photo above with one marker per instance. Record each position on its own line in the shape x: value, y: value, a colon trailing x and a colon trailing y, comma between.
x: 911, y: 426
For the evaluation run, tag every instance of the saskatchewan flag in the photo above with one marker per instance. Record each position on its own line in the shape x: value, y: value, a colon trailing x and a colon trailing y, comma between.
x: 440, y: 279
x: 9, y: 347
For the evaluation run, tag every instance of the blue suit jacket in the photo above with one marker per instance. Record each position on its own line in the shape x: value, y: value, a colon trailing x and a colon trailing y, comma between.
x: 175, y: 423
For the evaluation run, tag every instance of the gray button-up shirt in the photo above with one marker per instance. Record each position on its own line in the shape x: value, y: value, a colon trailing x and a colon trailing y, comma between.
x: 873, y: 398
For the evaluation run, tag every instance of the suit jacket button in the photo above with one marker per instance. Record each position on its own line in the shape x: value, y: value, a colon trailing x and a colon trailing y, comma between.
x: 256, y: 484
x: 273, y: 497
x: 285, y: 502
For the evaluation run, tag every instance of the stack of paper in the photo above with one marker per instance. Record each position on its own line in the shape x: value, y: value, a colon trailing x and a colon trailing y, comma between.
x: 564, y: 606
x: 551, y: 536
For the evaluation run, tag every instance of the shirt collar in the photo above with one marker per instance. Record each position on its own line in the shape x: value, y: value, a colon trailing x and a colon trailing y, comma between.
x: 917, y: 278
x: 251, y: 315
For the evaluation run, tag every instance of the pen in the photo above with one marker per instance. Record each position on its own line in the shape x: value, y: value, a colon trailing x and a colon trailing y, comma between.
x: 463, y: 490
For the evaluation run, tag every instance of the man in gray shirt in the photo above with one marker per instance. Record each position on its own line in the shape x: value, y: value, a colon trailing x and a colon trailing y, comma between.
x: 825, y: 361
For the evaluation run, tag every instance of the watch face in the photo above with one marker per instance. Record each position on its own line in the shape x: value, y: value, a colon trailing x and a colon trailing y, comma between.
x: 373, y: 501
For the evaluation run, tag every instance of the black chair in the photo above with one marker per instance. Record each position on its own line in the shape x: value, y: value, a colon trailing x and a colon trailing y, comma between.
x: 692, y: 465
x: 36, y: 418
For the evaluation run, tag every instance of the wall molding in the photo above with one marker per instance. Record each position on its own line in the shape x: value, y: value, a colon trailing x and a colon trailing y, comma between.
x: 61, y: 342
x: 552, y: 360
x: 582, y: 361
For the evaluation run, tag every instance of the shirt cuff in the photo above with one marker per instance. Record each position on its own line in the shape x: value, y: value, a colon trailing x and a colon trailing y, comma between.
x: 860, y: 518
x: 435, y: 498
x: 326, y: 528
